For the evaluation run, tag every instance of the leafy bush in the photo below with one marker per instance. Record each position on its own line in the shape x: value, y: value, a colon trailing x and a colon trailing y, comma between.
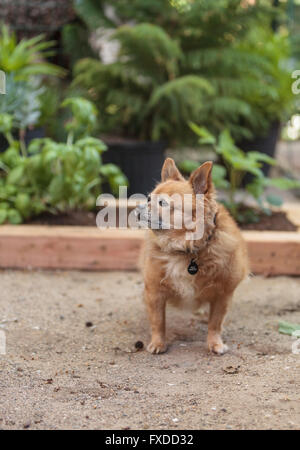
x: 237, y: 165
x: 54, y: 176
x: 217, y: 63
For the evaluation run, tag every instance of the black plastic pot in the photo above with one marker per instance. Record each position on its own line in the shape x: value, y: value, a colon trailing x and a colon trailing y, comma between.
x: 38, y: 132
x: 264, y: 144
x: 141, y: 162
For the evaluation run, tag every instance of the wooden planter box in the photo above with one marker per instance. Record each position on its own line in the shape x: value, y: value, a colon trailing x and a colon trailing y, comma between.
x: 87, y: 248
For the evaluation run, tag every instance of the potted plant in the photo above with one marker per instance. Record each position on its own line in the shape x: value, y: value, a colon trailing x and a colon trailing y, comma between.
x: 194, y: 64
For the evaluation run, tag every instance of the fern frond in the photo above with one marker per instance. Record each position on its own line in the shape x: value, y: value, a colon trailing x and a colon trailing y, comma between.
x: 148, y: 48
x: 180, y: 100
x: 229, y: 60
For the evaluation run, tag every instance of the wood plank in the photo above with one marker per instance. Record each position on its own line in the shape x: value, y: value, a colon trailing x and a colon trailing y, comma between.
x: 274, y: 252
x: 88, y: 248
x: 68, y: 248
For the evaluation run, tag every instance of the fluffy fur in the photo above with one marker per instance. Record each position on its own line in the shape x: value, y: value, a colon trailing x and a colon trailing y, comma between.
x: 220, y: 254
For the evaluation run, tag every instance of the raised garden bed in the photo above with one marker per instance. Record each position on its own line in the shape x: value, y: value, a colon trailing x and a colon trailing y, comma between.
x: 87, y: 248
x: 279, y: 221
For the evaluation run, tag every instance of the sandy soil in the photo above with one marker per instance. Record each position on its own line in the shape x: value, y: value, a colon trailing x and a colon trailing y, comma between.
x: 59, y: 373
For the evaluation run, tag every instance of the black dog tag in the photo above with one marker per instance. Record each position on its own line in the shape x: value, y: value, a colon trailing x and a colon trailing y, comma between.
x: 193, y: 267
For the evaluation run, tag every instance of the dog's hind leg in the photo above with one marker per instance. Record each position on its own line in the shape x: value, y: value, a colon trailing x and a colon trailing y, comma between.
x: 218, y: 310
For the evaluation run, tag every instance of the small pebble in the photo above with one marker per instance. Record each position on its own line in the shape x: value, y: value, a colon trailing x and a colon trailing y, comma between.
x: 88, y: 324
x: 139, y: 345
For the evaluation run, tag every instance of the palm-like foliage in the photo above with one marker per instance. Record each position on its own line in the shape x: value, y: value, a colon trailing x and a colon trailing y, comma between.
x: 199, y: 62
x: 25, y: 57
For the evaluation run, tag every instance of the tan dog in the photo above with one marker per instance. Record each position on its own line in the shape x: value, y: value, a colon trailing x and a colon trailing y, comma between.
x: 205, y: 270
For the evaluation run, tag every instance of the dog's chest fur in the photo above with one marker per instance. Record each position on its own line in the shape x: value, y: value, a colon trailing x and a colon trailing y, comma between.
x: 177, y: 275
x: 191, y: 289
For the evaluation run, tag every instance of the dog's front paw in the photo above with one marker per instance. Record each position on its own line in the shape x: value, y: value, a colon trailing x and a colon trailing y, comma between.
x: 216, y: 346
x: 157, y: 346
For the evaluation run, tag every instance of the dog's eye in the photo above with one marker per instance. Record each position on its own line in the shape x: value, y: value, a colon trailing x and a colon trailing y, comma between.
x: 149, y: 198
x: 163, y: 202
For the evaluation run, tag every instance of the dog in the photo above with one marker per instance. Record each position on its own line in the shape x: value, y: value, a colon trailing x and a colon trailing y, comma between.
x: 198, y: 271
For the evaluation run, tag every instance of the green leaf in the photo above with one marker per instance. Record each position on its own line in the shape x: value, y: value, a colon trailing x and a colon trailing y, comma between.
x: 226, y: 145
x: 89, y: 141
x: 23, y: 204
x: 282, y: 183
x: 257, y: 156
x: 256, y: 188
x: 6, y: 123
x: 56, y: 188
x: 3, y: 215
x: 11, y: 156
x: 15, y: 175
x: 36, y: 145
x: 84, y: 114
x: 109, y: 169
x: 205, y: 136
x: 14, y: 217
x: 188, y: 166
x: 116, y: 181
x: 288, y: 328
x: 219, y: 177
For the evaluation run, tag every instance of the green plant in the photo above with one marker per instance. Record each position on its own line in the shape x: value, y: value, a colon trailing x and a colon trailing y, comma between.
x: 26, y: 58
x: 54, y: 176
x: 237, y: 165
x: 22, y: 101
x: 197, y: 63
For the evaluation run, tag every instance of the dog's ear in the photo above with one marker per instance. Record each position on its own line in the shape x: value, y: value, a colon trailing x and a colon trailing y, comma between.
x: 201, y: 180
x: 169, y: 171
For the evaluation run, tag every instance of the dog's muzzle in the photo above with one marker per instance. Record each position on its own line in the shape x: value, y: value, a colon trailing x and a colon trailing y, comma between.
x: 143, y: 216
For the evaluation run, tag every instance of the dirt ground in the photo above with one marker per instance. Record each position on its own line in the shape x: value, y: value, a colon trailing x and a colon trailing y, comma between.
x: 71, y: 363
